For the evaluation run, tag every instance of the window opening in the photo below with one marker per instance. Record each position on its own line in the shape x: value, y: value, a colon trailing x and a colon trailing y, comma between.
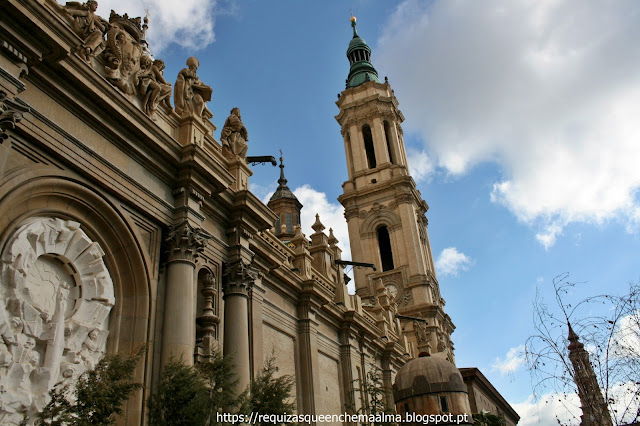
x: 384, y: 244
x: 388, y: 139
x: 368, y: 146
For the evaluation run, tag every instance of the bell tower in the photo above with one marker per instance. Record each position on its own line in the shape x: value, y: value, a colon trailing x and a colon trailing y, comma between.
x: 594, y: 409
x: 385, y: 212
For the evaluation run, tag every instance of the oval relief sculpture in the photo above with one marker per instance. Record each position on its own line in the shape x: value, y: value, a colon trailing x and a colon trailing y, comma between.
x: 55, y: 297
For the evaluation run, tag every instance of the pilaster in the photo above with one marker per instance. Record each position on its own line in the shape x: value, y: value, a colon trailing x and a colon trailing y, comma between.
x: 346, y: 354
x: 379, y: 141
x: 387, y: 382
x: 241, y: 171
x: 308, y: 350
x: 256, y: 300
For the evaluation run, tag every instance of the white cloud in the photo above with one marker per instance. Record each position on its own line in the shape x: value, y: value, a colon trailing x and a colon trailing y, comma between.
x: 548, y: 90
x: 549, y: 409
x: 331, y: 216
x: 264, y: 192
x: 548, y: 236
x: 552, y: 408
x: 626, y: 339
x: 189, y: 24
x: 451, y: 262
x: 421, y: 165
x: 511, y: 362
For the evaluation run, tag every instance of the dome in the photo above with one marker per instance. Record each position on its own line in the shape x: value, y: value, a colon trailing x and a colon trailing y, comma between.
x: 283, y: 191
x: 357, y: 43
x: 427, y: 374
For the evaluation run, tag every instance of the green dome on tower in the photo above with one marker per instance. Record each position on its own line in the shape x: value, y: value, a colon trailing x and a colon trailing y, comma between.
x: 359, y: 55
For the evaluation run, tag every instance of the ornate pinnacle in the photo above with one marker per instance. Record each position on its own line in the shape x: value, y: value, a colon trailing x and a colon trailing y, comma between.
x: 318, y: 226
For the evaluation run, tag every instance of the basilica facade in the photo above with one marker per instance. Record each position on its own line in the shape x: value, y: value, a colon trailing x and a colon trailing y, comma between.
x: 126, y: 221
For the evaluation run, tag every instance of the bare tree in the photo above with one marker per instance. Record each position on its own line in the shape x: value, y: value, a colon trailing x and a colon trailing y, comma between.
x: 609, y: 328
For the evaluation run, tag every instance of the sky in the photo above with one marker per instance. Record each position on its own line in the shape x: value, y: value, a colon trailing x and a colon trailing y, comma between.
x: 520, y: 123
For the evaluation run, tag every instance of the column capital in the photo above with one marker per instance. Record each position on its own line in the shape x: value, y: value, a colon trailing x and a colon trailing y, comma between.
x: 239, y: 277
x: 10, y: 114
x: 184, y: 242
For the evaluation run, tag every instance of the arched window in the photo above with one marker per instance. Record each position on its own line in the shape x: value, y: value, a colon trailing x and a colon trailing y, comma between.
x: 384, y: 244
x: 387, y: 136
x: 368, y: 146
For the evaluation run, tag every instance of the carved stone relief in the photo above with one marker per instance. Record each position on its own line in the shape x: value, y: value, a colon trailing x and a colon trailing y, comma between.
x: 55, y: 299
x: 123, y: 52
x: 422, y: 229
x: 406, y: 298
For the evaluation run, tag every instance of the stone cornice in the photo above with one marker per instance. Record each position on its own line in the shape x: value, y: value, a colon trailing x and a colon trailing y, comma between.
x: 251, y: 213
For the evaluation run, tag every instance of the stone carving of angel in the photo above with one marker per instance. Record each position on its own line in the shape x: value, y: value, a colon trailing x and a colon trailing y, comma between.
x: 89, y: 26
x: 152, y: 85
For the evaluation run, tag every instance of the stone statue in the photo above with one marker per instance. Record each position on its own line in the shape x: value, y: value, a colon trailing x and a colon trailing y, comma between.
x: 442, y: 344
x: 234, y: 136
x: 89, y: 26
x: 190, y: 94
x: 89, y: 348
x: 152, y: 85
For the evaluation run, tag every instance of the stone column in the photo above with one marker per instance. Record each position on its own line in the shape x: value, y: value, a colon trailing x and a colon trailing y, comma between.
x: 184, y: 244
x: 238, y: 279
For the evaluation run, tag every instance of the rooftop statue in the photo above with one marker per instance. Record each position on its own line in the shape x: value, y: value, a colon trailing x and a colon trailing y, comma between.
x: 234, y: 136
x: 190, y: 94
x: 89, y: 26
x: 152, y: 85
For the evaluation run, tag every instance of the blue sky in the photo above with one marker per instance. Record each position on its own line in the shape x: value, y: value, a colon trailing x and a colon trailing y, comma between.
x: 521, y: 124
